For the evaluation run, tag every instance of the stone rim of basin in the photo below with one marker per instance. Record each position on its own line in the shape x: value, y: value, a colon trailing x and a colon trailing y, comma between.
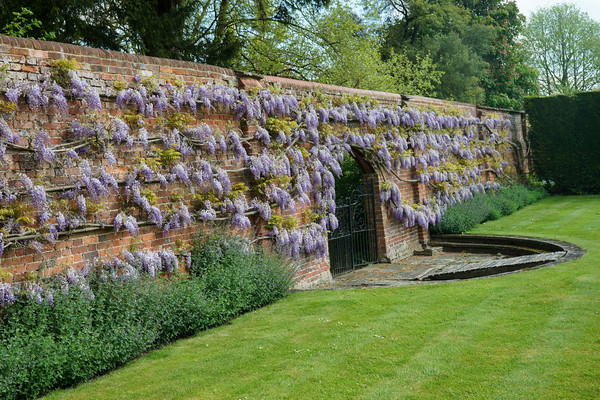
x: 508, y: 254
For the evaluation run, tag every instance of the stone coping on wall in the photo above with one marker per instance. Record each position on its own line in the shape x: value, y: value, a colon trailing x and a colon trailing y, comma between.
x: 52, y: 50
x: 388, y: 96
x: 29, y: 58
x: 499, y: 109
x: 42, y: 49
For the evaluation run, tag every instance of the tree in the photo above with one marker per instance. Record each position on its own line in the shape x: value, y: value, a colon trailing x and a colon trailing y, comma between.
x: 564, y: 44
x: 508, y: 78
x: 473, y: 42
x: 462, y: 66
x: 23, y: 22
x: 211, y: 31
x: 436, y: 28
x: 336, y: 47
x: 71, y: 21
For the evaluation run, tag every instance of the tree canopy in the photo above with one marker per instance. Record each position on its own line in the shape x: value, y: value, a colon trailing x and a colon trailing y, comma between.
x: 564, y: 44
x: 337, y: 47
x: 211, y: 31
x: 474, y: 43
x: 464, y: 50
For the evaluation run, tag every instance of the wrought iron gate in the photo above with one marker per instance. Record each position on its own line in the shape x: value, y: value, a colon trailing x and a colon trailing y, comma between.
x: 354, y: 243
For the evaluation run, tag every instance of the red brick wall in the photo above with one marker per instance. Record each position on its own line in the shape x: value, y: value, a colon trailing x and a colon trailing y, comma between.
x: 28, y: 59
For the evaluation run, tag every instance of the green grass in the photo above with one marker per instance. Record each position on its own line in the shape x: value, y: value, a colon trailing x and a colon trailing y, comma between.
x: 529, y: 335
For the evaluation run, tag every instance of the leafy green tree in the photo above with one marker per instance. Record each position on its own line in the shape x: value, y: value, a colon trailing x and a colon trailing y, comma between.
x: 411, y: 20
x: 509, y: 77
x: 441, y: 29
x: 462, y: 66
x: 473, y: 42
x: 71, y: 21
x: 212, y: 31
x: 564, y: 44
x: 353, y: 59
x: 417, y: 76
x: 336, y: 47
x: 23, y: 22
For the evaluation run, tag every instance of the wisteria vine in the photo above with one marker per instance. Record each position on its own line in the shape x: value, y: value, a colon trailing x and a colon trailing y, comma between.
x: 134, y: 265
x: 279, y: 176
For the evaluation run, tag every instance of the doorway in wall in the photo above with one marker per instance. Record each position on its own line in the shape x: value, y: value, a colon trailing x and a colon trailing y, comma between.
x: 354, y: 243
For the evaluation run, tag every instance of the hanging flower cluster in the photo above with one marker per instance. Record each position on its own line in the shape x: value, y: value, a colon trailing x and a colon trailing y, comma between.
x: 288, y: 162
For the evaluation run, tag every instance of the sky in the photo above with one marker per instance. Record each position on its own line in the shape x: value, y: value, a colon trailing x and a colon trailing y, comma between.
x: 592, y: 7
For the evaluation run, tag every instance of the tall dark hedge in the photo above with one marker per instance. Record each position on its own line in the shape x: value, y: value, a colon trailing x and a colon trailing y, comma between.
x: 565, y: 141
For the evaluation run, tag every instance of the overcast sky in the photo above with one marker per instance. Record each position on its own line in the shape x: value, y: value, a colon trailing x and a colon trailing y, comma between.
x: 592, y: 7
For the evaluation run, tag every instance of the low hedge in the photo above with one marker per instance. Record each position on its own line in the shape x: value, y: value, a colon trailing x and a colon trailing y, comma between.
x: 98, y: 322
x: 486, y: 206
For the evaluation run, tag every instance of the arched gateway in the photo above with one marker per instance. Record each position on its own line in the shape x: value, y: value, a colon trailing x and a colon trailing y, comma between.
x: 354, y: 243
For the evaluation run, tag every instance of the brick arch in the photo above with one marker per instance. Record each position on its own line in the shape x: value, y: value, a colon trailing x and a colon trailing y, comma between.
x: 393, y: 239
x: 351, y: 245
x: 27, y: 59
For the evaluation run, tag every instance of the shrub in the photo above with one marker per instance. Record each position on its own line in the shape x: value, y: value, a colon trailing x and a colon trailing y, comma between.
x: 237, y: 274
x: 483, y: 207
x: 44, y: 346
x: 51, y: 342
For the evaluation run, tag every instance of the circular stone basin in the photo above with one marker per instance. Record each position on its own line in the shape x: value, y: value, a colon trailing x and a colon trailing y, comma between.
x: 452, y: 257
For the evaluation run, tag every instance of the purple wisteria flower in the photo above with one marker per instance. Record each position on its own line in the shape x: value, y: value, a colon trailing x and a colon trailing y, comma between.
x: 71, y: 157
x: 118, y: 222
x: 35, y: 97
x: 143, y: 137
x: 169, y: 261
x: 81, y: 204
x: 110, y: 157
x: 40, y: 143
x: 262, y: 207
x: 180, y: 172
x: 58, y: 98
x: 61, y: 221
x: 207, y: 213
x: 84, y: 91
x: 7, y: 134
x: 238, y: 148
x: 131, y: 96
x: 131, y: 225
x: 263, y: 135
x: 121, y: 131
x: 37, y: 195
x: 7, y: 294
x: 34, y: 292
x: 240, y: 221
x: 15, y: 92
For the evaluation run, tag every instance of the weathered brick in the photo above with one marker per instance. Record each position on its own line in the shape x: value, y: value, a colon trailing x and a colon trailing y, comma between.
x: 102, y: 68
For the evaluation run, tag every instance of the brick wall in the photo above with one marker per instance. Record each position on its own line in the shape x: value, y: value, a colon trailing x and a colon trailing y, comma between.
x: 28, y: 59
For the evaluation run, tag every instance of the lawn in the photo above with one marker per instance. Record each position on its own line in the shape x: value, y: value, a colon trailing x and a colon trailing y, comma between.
x: 528, y: 335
